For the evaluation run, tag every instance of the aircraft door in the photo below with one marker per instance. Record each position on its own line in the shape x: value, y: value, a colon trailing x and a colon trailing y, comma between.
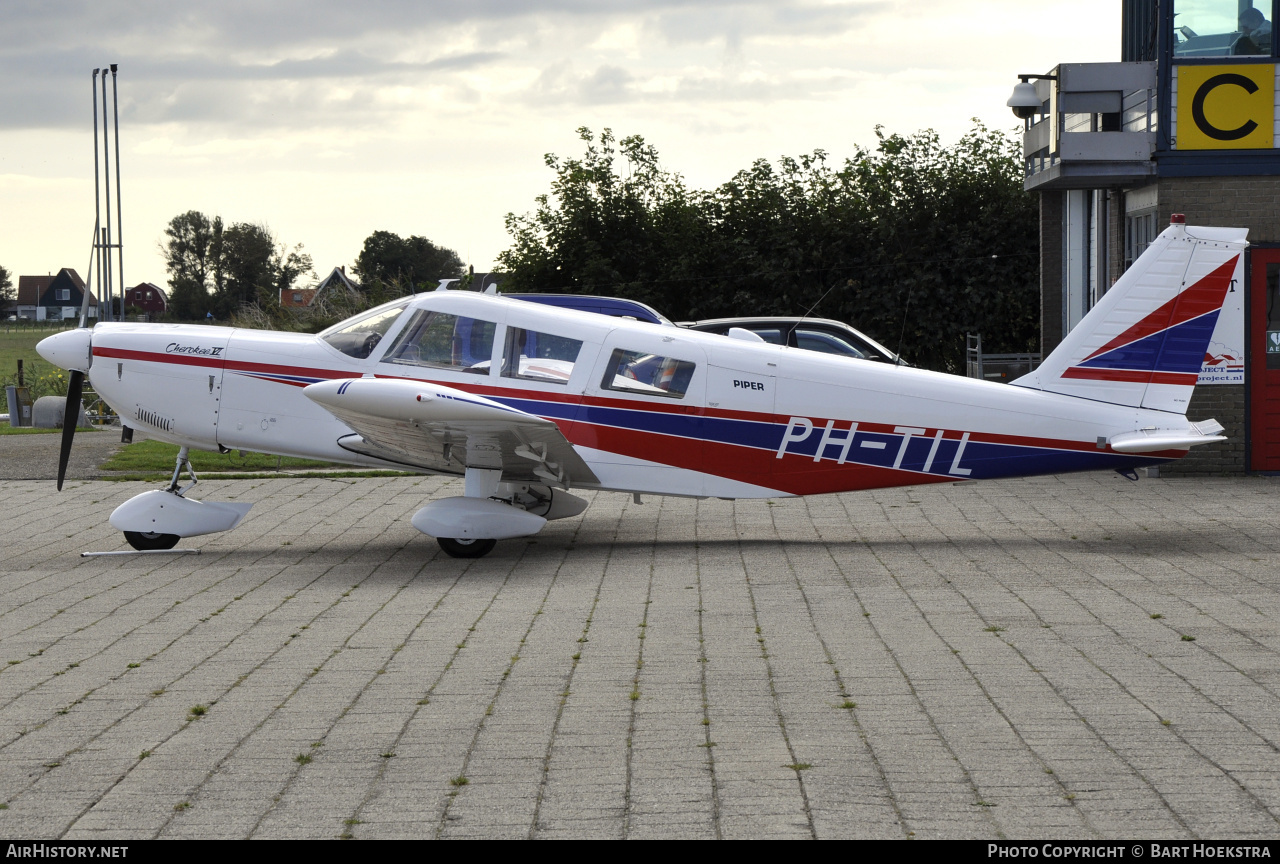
x: 642, y: 414
x: 739, y: 417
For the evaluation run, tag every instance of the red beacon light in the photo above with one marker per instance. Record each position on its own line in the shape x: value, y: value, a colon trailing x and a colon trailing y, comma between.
x: 1178, y: 219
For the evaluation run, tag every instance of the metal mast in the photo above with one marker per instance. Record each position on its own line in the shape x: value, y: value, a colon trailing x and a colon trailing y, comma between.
x: 115, y: 108
x: 106, y: 159
x: 97, y: 194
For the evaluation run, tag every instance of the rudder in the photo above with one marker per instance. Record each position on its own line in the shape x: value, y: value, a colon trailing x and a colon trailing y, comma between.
x: 1144, y: 342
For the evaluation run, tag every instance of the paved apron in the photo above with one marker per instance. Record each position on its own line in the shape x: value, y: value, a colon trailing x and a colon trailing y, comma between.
x: 1074, y: 657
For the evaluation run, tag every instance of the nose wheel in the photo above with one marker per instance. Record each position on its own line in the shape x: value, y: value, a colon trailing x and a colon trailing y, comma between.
x: 457, y: 548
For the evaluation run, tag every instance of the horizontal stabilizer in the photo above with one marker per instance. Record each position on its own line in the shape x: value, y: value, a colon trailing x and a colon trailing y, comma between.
x: 1152, y: 440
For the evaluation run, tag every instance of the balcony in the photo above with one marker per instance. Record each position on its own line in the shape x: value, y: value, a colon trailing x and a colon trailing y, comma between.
x: 1096, y: 128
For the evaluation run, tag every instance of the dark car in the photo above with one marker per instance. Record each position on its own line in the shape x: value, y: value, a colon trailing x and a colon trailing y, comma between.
x: 810, y: 334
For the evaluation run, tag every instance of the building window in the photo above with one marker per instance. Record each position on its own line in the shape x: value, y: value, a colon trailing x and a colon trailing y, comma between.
x: 64, y: 293
x: 1221, y: 28
x: 1139, y: 231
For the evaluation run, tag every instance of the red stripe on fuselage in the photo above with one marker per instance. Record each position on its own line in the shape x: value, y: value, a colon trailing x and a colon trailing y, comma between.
x: 795, y: 474
x: 221, y: 363
x: 1132, y: 376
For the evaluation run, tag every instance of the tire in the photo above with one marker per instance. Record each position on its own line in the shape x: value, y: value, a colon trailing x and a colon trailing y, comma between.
x: 145, y: 541
x: 466, y: 548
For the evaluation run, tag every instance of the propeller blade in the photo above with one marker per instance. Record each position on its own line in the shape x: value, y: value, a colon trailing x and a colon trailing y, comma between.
x: 70, y: 417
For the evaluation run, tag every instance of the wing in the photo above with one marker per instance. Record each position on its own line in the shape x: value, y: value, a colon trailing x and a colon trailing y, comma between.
x: 442, y: 429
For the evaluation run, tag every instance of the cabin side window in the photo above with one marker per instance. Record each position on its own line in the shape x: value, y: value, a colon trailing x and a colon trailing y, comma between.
x: 535, y: 356
x: 649, y: 374
x: 444, y: 341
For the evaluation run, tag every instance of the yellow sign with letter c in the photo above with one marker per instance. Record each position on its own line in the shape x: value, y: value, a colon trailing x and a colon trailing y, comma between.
x: 1226, y: 107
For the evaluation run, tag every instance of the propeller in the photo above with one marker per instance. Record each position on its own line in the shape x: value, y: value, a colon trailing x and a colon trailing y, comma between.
x: 72, y: 350
x: 70, y: 418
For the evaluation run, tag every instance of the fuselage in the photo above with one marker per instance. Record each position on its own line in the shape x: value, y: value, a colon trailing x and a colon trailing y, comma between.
x: 651, y: 408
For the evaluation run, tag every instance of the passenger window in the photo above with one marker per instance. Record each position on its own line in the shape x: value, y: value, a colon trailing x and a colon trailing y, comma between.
x: 444, y: 341
x: 639, y: 372
x: 814, y: 340
x: 358, y: 338
x: 536, y: 356
x: 772, y: 335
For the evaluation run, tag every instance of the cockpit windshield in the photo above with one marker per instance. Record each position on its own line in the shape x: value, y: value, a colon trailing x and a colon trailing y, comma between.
x: 359, y: 336
x: 1220, y: 28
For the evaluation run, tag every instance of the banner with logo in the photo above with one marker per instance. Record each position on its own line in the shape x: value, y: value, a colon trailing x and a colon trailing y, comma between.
x: 1224, y: 358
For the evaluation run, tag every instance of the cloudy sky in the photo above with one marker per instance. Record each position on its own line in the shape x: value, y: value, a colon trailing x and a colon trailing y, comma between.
x: 329, y: 120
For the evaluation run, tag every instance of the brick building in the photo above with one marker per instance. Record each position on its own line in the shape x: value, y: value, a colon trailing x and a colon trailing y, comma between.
x: 147, y: 298
x: 1186, y: 122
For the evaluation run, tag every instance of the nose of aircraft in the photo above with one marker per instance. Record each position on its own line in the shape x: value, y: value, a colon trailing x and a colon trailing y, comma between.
x: 67, y: 350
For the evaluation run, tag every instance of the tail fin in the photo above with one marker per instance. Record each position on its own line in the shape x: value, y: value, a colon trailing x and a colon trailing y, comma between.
x: 1144, y: 342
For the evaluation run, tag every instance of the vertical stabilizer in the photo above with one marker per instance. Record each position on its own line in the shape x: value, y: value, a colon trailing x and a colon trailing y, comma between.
x: 1144, y: 342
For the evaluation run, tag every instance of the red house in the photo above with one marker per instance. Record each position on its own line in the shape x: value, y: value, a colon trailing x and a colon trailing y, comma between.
x: 147, y: 298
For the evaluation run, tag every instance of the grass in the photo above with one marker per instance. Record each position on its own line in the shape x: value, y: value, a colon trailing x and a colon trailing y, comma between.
x: 199, y: 711
x: 460, y: 780
x: 29, y: 430
x: 18, y: 345
x: 156, y: 457
x: 303, y: 758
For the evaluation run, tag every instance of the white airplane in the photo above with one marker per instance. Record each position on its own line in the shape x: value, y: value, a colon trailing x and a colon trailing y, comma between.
x: 527, y: 402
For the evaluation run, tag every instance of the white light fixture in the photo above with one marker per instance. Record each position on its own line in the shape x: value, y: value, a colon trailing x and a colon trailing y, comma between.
x: 1024, y: 101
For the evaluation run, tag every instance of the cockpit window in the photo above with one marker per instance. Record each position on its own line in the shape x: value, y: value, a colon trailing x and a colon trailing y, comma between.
x: 444, y: 341
x: 358, y: 338
x: 538, y: 356
x: 1220, y: 28
x: 650, y: 374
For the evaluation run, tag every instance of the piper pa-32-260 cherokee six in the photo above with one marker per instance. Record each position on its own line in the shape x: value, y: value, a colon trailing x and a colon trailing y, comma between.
x: 527, y: 402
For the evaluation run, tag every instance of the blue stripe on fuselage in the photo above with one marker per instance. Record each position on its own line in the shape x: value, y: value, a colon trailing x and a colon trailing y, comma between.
x: 984, y: 460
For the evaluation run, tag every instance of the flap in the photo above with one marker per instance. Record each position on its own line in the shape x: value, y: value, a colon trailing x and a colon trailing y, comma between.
x: 442, y: 429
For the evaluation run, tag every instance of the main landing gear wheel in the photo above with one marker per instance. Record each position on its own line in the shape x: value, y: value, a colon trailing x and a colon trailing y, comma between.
x: 145, y: 541
x: 465, y: 548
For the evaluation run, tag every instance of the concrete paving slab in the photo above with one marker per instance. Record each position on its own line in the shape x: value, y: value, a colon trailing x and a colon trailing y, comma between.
x: 1066, y: 657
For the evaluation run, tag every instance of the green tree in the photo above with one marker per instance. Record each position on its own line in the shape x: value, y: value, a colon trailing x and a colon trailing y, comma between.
x: 636, y: 233
x: 191, y: 253
x: 912, y: 242
x: 413, y: 262
x: 219, y: 268
x: 7, y: 294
